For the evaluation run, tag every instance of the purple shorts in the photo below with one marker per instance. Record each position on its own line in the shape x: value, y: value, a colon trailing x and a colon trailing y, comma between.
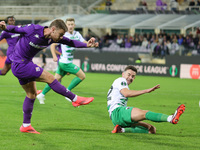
x: 26, y: 72
x: 8, y: 61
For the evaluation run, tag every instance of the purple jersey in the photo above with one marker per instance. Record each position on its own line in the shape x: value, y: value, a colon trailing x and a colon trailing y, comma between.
x: 11, y: 39
x: 32, y: 41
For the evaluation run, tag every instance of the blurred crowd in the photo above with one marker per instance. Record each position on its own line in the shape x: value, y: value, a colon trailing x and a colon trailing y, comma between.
x: 160, y: 45
x: 172, y: 4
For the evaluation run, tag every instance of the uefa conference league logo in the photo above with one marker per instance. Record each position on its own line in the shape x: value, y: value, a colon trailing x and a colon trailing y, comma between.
x: 173, y: 70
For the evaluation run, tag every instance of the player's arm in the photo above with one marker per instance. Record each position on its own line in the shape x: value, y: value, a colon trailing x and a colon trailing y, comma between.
x: 16, y: 29
x: 53, y: 51
x: 133, y: 93
x: 84, y: 41
x: 78, y: 44
x: 57, y: 52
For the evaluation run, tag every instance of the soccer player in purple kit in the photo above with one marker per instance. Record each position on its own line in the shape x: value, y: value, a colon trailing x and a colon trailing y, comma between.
x: 11, y: 39
x: 33, y: 39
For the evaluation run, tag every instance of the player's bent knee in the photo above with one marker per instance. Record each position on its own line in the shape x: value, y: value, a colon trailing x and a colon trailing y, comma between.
x: 50, y: 78
x: 46, y: 77
x: 138, y: 114
x: 144, y: 113
x: 31, y: 95
x: 80, y: 74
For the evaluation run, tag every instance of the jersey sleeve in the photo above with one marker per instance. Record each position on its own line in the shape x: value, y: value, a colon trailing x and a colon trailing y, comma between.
x: 72, y: 43
x: 80, y: 37
x: 20, y: 29
x: 120, y: 83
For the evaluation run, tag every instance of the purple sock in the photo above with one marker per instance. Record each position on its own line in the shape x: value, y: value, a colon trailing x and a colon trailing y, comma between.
x: 27, y: 109
x: 60, y: 89
x: 0, y: 72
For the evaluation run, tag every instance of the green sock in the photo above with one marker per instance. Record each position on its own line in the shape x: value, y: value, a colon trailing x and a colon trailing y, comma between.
x: 74, y: 83
x: 156, y: 117
x: 138, y: 129
x: 46, y: 89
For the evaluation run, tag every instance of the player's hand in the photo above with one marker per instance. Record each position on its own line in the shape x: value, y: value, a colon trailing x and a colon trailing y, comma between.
x: 55, y: 59
x: 92, y: 43
x: 92, y: 40
x: 3, y: 25
x: 153, y: 88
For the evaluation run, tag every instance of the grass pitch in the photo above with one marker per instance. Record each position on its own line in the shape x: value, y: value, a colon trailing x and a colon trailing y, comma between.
x: 64, y: 127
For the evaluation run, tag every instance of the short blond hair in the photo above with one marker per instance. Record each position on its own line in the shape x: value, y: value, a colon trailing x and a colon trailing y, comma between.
x: 70, y: 19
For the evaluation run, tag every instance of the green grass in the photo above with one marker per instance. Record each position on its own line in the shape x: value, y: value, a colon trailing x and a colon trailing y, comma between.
x: 64, y: 127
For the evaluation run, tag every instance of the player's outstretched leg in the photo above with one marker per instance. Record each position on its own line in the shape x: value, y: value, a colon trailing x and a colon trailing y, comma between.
x: 77, y: 100
x: 179, y: 111
x: 159, y: 117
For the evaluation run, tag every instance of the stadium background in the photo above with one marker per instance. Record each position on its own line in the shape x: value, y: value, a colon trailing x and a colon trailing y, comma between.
x: 125, y: 17
x: 89, y: 127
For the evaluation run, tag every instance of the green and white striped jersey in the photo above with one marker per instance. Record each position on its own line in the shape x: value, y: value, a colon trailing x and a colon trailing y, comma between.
x: 67, y: 51
x: 115, y: 98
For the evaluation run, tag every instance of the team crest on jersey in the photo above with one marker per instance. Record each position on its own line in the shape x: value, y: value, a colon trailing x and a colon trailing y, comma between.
x: 75, y: 67
x: 37, y: 69
x: 127, y: 107
x: 123, y: 83
x: 37, y: 36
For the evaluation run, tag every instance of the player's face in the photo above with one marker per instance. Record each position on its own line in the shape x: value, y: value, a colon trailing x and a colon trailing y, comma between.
x: 70, y: 26
x: 57, y: 34
x: 129, y: 75
x: 11, y: 21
